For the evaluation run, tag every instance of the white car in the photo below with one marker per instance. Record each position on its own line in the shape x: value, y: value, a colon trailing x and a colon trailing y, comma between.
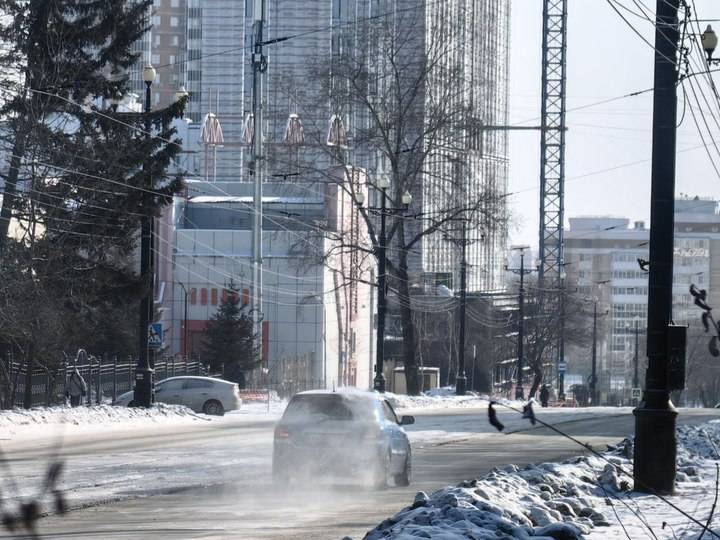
x: 325, y: 434
x: 202, y: 394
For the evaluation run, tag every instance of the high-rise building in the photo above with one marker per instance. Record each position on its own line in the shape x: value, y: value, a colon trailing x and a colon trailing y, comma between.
x: 474, y: 33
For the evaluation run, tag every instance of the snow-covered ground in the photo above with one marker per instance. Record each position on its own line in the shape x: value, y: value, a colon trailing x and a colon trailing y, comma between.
x: 19, y: 424
x: 40, y: 422
x: 585, y: 497
x: 116, y: 452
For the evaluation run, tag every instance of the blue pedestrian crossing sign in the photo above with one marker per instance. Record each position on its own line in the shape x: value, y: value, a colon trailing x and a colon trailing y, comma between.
x: 562, y: 367
x: 155, y: 336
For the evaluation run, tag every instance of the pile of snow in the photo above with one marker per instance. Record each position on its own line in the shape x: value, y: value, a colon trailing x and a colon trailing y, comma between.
x: 564, y: 501
x: 93, y: 415
x: 437, y: 398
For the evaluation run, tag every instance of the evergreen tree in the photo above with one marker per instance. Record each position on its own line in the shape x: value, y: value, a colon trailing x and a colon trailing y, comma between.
x: 80, y: 176
x: 230, y: 341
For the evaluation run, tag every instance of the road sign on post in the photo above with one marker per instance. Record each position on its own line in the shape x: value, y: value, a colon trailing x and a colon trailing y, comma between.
x: 155, y: 336
x: 562, y: 367
x: 636, y: 393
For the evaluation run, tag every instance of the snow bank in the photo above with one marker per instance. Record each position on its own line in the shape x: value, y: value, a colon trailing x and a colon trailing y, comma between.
x: 583, y: 497
x: 93, y: 415
x: 444, y: 398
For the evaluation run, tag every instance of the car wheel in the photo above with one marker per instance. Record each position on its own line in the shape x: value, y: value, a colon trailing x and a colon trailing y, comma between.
x: 131, y: 404
x: 403, y: 479
x: 213, y: 407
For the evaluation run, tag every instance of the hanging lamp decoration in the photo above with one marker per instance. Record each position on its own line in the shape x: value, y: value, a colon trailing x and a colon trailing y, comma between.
x: 294, y: 131
x: 337, y: 135
x: 212, y: 134
x: 248, y: 129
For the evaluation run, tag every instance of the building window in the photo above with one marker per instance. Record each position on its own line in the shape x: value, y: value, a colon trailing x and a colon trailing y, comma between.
x: 175, y: 41
x: 174, y: 22
x: 214, y: 297
x: 203, y: 297
x: 156, y: 20
x: 193, y: 296
x: 174, y: 3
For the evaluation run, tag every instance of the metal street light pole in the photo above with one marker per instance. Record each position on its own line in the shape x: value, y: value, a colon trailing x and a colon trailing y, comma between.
x: 143, y: 372
x: 655, y: 418
x: 259, y: 66
x: 383, y: 183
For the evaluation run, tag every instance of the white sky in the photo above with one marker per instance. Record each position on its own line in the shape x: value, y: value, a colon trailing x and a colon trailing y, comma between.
x: 605, y: 59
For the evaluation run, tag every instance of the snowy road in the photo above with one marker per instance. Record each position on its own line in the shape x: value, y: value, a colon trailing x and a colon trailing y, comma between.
x: 231, y: 461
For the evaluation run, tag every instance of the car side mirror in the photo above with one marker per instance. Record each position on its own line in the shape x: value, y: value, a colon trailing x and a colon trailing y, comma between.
x: 407, y: 420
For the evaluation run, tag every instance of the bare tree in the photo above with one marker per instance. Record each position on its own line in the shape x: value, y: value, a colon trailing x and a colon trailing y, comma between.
x: 401, y: 93
x: 542, y: 328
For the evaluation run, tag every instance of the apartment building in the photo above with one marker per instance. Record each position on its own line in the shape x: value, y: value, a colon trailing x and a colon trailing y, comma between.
x: 602, y: 257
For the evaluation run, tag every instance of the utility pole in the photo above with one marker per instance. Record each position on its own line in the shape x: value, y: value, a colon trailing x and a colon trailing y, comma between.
x: 379, y: 380
x: 593, y: 375
x: 460, y: 378
x: 519, y: 391
x: 259, y: 65
x: 655, y: 417
x: 561, y: 351
x: 143, y: 392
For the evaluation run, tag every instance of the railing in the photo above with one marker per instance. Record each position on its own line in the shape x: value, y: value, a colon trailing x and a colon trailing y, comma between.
x: 106, y: 378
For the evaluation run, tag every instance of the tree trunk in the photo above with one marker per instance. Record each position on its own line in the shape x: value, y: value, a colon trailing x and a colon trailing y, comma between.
x: 537, y: 381
x: 412, y: 374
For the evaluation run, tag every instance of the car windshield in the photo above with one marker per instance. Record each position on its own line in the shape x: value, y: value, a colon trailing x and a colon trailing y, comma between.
x: 328, y: 407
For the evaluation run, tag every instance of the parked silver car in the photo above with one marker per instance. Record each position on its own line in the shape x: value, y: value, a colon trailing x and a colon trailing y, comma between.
x: 327, y: 434
x: 202, y: 394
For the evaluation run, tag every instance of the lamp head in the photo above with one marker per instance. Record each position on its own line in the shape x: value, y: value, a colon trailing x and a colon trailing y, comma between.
x: 383, y: 182
x: 406, y: 198
x: 709, y: 41
x: 360, y: 198
x: 181, y: 93
x: 149, y: 73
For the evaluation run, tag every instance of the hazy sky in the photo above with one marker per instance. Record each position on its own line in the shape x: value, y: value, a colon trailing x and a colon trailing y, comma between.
x: 605, y: 59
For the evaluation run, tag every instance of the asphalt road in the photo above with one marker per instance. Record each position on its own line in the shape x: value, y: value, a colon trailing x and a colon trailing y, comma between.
x: 249, y: 507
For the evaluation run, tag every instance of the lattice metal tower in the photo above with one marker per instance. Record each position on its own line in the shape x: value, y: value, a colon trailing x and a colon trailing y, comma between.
x: 552, y: 141
x: 552, y: 169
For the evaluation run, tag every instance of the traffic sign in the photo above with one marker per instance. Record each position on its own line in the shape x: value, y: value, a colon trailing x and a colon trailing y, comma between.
x: 562, y: 367
x: 636, y: 392
x: 155, y: 336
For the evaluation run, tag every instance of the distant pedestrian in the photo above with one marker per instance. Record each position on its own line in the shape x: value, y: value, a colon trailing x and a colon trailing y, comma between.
x: 76, y: 388
x: 544, y: 395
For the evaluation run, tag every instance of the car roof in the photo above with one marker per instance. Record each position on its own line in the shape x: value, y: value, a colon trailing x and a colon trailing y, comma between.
x: 349, y: 392
x: 195, y: 377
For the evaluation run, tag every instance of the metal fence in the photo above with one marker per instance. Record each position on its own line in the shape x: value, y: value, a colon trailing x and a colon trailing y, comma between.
x: 106, y: 377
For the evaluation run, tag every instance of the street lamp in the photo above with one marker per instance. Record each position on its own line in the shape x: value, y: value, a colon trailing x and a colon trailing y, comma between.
x: 382, y: 183
x: 143, y: 372
x: 709, y: 42
x: 519, y: 391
